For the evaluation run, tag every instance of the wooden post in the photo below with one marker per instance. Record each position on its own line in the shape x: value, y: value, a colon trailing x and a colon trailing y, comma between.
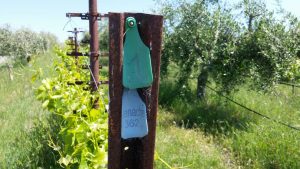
x: 133, y: 153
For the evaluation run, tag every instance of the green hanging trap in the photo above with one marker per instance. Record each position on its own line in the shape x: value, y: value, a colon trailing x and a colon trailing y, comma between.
x: 137, y: 68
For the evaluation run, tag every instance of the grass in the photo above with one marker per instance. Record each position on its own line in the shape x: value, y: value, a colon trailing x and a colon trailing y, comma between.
x: 23, y: 123
x: 253, y: 141
x: 267, y: 144
x: 187, y: 148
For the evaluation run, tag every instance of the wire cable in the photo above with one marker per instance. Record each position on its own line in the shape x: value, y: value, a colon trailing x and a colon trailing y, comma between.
x: 290, y: 84
x: 253, y: 111
x: 96, y: 83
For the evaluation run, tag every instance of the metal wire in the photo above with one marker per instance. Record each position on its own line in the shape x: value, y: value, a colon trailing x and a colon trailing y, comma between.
x: 125, y: 33
x: 96, y: 83
x: 67, y: 23
x: 147, y: 94
x: 290, y: 84
x: 253, y: 111
x: 70, y: 21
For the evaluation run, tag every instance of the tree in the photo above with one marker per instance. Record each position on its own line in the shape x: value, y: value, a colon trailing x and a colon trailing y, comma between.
x: 103, y: 37
x: 23, y: 43
x: 265, y: 53
x: 204, y: 39
x: 251, y: 11
x: 192, y: 41
x: 5, y: 41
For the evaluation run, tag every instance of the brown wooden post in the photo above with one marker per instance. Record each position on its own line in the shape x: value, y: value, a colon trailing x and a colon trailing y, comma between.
x: 132, y: 153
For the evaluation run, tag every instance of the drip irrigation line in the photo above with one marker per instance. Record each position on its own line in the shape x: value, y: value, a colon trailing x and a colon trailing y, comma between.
x: 253, y: 111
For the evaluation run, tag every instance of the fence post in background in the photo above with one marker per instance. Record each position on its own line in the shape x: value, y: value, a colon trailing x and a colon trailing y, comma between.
x: 293, y: 87
x: 291, y: 84
x: 75, y: 51
x: 76, y: 45
x: 133, y: 153
x: 94, y: 46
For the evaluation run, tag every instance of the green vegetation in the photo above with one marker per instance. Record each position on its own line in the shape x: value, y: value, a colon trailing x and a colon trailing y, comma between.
x: 181, y: 147
x: 191, y: 134
x: 253, y: 141
x: 24, y: 125
x: 205, y: 45
x: 23, y: 44
x: 103, y: 36
x: 83, y: 132
x: 209, y: 39
x: 234, y: 49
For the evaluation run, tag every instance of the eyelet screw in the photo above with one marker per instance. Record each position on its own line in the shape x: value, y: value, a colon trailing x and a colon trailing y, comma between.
x: 131, y: 22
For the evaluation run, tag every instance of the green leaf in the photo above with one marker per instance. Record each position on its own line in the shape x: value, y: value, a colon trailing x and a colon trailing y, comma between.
x: 100, y: 158
x: 94, y: 114
x: 56, y: 97
x: 34, y: 77
x: 45, y: 104
x: 47, y: 84
x: 65, y: 160
x: 83, y: 162
x: 42, y: 88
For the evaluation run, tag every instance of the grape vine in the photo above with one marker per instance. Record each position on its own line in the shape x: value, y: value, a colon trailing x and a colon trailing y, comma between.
x: 83, y: 136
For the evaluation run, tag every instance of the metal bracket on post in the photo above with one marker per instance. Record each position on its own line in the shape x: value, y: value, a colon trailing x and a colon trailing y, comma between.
x: 88, y: 67
x: 104, y: 54
x: 86, y: 16
x: 87, y: 83
x: 75, y: 31
x: 77, y: 54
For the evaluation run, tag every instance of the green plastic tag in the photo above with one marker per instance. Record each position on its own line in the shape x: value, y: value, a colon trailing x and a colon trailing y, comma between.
x: 137, y: 69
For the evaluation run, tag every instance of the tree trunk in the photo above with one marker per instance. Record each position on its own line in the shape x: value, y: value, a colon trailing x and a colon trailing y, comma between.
x: 250, y: 23
x: 201, y: 84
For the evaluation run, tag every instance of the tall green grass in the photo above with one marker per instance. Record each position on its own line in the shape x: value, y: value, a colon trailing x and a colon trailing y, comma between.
x: 254, y: 142
x: 181, y: 147
x: 23, y: 123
